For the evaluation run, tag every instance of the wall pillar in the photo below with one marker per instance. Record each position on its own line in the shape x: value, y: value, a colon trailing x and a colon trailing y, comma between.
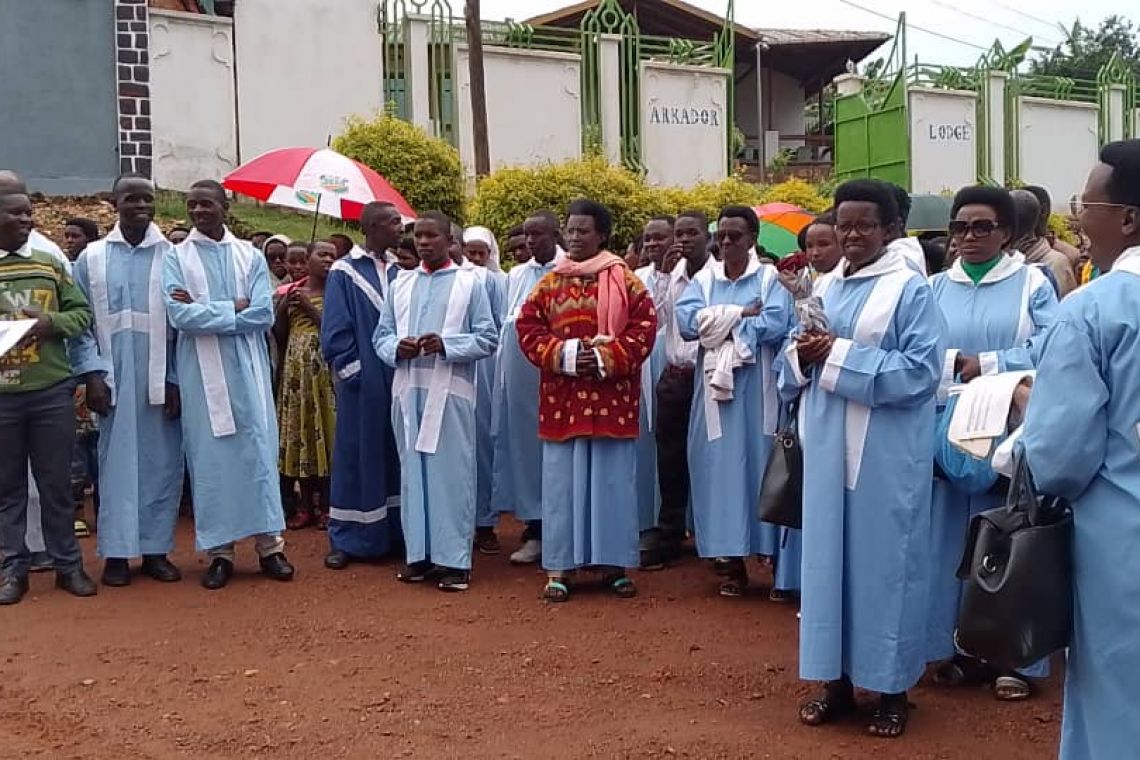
x: 849, y: 84
x: 761, y: 111
x: 997, y: 81
x: 132, y: 62
x: 609, y: 94
x: 417, y: 71
x: 1115, y: 112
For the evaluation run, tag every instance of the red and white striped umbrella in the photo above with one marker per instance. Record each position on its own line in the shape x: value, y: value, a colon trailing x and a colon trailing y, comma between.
x: 315, y: 180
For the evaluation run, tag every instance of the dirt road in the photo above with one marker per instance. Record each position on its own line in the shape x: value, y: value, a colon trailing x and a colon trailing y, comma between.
x: 356, y: 665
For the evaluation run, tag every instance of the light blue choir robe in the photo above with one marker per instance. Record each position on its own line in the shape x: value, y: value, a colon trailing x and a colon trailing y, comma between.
x: 437, y: 445
x: 1082, y: 441
x: 229, y: 424
x: 867, y: 431
x: 648, y: 487
x: 365, y: 489
x: 1000, y: 321
x: 517, y: 461
x: 140, y: 450
x: 495, y: 283
x: 726, y: 473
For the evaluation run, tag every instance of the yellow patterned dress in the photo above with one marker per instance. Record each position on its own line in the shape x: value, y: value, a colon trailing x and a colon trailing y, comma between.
x: 306, y: 410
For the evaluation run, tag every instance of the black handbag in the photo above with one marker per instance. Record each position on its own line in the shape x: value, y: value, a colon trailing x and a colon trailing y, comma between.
x: 1017, y: 602
x: 782, y: 491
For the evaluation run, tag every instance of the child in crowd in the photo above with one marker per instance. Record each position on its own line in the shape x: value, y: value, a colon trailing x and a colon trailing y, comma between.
x: 84, y: 462
x: 77, y: 233
x: 297, y: 264
x: 406, y: 255
x: 306, y: 408
x: 274, y: 251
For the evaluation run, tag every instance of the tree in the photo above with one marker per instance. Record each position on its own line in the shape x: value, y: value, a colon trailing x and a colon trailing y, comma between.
x: 478, y: 89
x: 1086, y: 50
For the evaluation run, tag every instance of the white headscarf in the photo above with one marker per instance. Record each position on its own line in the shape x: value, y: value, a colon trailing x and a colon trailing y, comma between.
x: 487, y: 238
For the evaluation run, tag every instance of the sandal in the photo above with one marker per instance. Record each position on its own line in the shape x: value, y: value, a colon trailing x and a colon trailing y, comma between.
x: 556, y: 591
x: 734, y: 572
x: 621, y: 585
x: 301, y: 520
x: 1012, y: 688
x: 322, y: 521
x: 962, y: 671
x: 890, y: 718
x: 838, y: 702
x: 781, y: 596
x: 81, y: 529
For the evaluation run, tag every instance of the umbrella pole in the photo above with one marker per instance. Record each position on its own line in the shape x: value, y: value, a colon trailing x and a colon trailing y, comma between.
x: 317, y: 210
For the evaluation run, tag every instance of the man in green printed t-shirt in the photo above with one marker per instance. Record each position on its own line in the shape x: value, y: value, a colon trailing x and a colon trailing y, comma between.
x: 37, y: 416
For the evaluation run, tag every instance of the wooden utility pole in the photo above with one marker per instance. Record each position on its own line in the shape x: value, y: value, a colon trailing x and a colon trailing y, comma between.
x: 478, y: 89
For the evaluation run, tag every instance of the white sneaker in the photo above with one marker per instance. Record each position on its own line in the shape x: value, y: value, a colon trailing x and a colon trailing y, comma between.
x: 528, y: 554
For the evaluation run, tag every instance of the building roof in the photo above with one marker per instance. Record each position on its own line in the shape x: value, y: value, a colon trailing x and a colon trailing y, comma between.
x: 812, y: 56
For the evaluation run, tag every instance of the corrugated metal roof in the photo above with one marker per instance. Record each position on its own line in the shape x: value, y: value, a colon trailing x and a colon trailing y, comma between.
x: 779, y: 37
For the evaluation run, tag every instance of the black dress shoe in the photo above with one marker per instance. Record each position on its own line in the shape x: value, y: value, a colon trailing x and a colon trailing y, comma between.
x: 337, y: 560
x: 218, y: 574
x: 76, y: 582
x: 159, y: 568
x: 277, y: 567
x: 116, y: 573
x: 13, y: 590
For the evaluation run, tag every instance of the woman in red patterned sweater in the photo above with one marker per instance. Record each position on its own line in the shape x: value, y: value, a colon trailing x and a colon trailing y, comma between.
x: 588, y: 326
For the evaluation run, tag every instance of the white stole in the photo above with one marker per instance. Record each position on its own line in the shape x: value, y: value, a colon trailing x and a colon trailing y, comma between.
x: 206, y: 346
x: 892, y: 273
x: 439, y: 381
x: 360, y: 281
x: 771, y: 409
x: 153, y: 322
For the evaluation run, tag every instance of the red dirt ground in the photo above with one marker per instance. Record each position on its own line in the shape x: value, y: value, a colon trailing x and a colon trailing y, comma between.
x: 355, y: 665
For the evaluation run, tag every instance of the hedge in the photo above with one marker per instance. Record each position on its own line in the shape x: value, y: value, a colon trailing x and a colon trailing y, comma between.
x: 425, y: 169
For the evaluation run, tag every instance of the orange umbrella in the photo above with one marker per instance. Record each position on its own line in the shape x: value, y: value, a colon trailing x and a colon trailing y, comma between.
x: 780, y: 224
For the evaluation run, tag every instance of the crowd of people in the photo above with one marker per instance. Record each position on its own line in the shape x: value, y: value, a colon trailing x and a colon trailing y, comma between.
x: 405, y: 393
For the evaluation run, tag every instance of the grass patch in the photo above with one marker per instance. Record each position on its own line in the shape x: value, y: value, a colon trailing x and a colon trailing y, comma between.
x: 247, y: 217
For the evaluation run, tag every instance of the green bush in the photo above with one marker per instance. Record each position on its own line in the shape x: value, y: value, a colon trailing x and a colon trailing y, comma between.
x: 508, y: 196
x: 424, y: 169
x: 800, y: 193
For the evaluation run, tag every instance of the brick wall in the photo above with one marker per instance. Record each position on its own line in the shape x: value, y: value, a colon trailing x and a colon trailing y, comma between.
x: 132, y: 52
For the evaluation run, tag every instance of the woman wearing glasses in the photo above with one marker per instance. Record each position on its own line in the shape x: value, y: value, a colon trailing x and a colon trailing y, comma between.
x: 996, y: 311
x: 867, y: 429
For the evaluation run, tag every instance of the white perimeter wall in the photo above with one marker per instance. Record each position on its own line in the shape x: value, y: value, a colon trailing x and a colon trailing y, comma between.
x: 192, y: 98
x: 943, y: 140
x: 303, y: 67
x: 1059, y: 143
x: 534, y: 106
x: 683, y: 131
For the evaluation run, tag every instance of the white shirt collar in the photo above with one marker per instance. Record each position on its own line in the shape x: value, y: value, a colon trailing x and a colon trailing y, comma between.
x: 24, y: 252
x: 153, y: 236
x: 891, y: 261
x: 680, y: 272
x: 228, y: 238
x: 1129, y: 261
x: 1006, y: 268
x: 717, y: 268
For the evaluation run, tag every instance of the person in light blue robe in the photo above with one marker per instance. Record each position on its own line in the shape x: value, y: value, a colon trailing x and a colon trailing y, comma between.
x: 730, y: 440
x: 996, y: 309
x: 436, y: 325
x: 867, y: 431
x: 1081, y: 439
x: 218, y: 299
x: 481, y: 242
x: 656, y: 281
x: 364, y: 495
x: 517, y: 473
x: 131, y: 351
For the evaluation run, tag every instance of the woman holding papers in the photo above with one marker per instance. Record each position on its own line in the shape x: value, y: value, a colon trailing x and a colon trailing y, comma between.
x: 996, y: 308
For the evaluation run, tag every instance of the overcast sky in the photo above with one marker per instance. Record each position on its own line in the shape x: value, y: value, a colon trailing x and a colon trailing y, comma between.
x: 973, y: 23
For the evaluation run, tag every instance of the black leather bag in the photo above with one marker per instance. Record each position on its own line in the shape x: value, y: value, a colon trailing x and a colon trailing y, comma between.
x: 1017, y: 603
x: 782, y: 492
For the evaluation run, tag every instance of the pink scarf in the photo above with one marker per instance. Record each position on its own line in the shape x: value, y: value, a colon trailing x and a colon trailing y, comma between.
x: 613, y: 298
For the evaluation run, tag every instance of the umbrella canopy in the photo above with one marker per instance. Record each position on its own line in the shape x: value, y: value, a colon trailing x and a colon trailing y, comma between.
x: 317, y: 180
x: 929, y: 213
x: 780, y: 225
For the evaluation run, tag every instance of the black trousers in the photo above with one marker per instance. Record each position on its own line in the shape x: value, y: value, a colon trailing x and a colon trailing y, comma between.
x: 674, y: 402
x: 38, y: 427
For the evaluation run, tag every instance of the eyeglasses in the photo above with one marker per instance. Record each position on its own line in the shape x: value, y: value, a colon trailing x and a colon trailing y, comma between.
x: 1078, y: 206
x: 862, y: 227
x: 981, y: 228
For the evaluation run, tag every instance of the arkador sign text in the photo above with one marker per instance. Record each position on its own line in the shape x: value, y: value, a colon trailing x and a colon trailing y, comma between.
x: 680, y: 116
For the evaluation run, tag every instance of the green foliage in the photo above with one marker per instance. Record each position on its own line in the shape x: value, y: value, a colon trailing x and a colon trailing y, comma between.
x: 1059, y: 226
x: 247, y: 217
x: 800, y: 193
x: 1087, y: 49
x: 424, y: 169
x: 508, y: 196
